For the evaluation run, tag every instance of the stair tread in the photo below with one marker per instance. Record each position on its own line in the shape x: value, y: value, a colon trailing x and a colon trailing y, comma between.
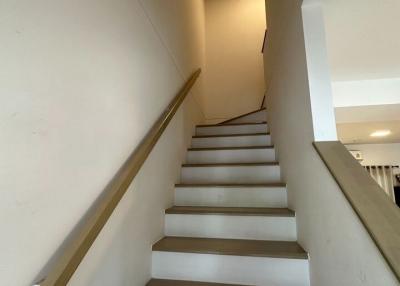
x: 233, y: 135
x: 228, y: 185
x: 237, y: 247
x: 231, y: 124
x: 241, y: 116
x: 231, y: 164
x: 241, y: 211
x: 232, y: 148
x: 166, y: 282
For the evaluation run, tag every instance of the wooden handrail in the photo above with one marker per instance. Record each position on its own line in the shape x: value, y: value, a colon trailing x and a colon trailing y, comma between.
x: 379, y: 215
x: 262, y: 102
x: 265, y: 38
x: 79, y: 245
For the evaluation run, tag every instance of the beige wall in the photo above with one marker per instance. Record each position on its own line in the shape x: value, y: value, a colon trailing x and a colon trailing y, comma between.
x: 234, y: 64
x: 378, y: 154
x: 81, y: 84
x: 341, y: 250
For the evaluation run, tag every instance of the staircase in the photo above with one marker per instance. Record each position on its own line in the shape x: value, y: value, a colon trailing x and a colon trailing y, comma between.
x: 230, y: 223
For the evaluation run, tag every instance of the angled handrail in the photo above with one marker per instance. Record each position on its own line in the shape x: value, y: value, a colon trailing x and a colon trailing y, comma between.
x: 265, y: 38
x: 63, y: 269
x: 263, y: 101
x: 379, y: 215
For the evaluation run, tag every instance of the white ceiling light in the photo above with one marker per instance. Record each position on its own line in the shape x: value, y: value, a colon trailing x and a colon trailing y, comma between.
x: 381, y: 133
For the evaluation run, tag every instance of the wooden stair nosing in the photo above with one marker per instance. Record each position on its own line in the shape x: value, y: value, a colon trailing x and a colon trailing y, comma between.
x: 233, y: 135
x: 231, y: 211
x: 229, y: 185
x: 230, y: 164
x: 234, y: 247
x: 168, y: 282
x: 231, y: 124
x: 232, y: 148
x: 240, y: 116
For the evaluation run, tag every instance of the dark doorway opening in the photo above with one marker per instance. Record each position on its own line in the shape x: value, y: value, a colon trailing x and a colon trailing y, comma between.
x: 397, y: 195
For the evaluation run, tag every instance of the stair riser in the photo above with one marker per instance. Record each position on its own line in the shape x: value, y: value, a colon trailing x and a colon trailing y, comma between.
x: 231, y: 156
x: 260, y: 116
x: 231, y: 174
x: 231, y: 226
x: 230, y: 269
x: 239, y: 129
x: 231, y: 197
x: 239, y: 141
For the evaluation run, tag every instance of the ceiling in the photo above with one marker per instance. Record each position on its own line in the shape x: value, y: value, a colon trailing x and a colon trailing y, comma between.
x: 370, y: 113
x: 356, y: 123
x: 363, y: 44
x: 363, y: 38
x: 359, y: 132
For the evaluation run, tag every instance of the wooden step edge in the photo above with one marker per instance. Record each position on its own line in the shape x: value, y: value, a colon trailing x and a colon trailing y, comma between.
x: 232, y: 148
x: 240, y: 116
x: 228, y: 185
x: 231, y: 124
x: 231, y: 247
x: 231, y: 211
x: 168, y: 282
x: 233, y: 135
x: 230, y: 165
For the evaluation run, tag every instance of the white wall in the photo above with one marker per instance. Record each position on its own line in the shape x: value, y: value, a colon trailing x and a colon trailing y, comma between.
x: 318, y: 73
x: 121, y: 255
x: 364, y: 62
x: 378, y: 154
x: 341, y: 251
x: 361, y: 41
x: 234, y: 64
x: 366, y: 92
x: 81, y: 84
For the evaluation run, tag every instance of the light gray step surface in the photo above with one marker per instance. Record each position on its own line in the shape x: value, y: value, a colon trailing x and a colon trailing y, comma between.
x: 240, y: 247
x: 235, y: 223
x: 231, y: 173
x: 230, y: 269
x: 231, y: 195
x: 232, y: 211
x: 254, y: 116
x: 236, y: 140
x: 231, y: 154
x: 249, y: 262
x: 231, y: 129
x: 165, y: 282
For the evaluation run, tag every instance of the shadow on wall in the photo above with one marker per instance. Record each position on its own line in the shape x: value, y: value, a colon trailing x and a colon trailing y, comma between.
x: 234, y: 76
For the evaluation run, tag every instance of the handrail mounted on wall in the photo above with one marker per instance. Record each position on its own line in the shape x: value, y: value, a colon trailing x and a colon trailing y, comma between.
x: 63, y: 269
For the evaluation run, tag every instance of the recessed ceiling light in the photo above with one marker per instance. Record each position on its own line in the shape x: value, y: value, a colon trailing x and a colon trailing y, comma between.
x: 381, y: 133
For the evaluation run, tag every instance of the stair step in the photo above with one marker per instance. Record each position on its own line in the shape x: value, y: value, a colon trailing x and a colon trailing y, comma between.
x: 248, y: 262
x: 233, y: 135
x: 234, y: 223
x: 259, y: 115
x: 237, y: 211
x: 231, y: 154
x: 228, y: 185
x: 247, y: 270
x: 262, y: 172
x: 232, y: 140
x: 165, y: 282
x: 231, y: 195
x: 237, y: 247
x: 231, y: 129
x: 230, y: 223
x: 231, y: 124
x: 232, y: 164
x: 232, y: 148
